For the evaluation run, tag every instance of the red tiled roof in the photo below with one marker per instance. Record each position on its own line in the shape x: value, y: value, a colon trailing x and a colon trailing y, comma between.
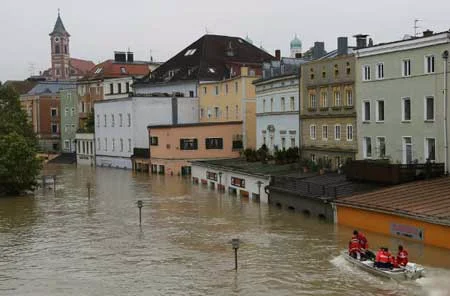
x: 424, y: 200
x: 82, y: 65
x: 113, y: 69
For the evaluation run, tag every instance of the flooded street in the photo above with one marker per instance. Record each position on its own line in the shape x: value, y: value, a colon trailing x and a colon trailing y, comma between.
x: 64, y: 244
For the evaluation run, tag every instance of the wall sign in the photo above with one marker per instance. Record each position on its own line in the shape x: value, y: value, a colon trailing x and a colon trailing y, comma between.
x: 211, y: 176
x: 238, y: 182
x: 407, y: 231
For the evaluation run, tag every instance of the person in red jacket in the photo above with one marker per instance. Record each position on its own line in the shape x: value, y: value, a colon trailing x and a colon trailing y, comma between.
x: 363, y: 244
x: 353, y: 247
x: 402, y: 256
x: 383, y: 258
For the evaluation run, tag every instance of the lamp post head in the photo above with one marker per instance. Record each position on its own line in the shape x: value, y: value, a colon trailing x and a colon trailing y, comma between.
x: 235, y: 243
x: 445, y: 55
x: 139, y: 203
x: 220, y: 174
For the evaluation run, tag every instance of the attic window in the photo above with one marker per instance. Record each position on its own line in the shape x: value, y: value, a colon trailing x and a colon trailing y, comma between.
x: 211, y: 70
x: 190, y: 52
x: 98, y: 70
x: 123, y: 70
x: 171, y: 73
x: 240, y: 40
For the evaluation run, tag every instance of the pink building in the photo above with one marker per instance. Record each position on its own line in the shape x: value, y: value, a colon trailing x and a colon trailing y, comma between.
x: 172, y: 147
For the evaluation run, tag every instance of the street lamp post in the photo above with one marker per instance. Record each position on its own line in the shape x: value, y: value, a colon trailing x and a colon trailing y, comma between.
x: 259, y: 183
x: 235, y: 243
x: 220, y: 181
x: 140, y: 205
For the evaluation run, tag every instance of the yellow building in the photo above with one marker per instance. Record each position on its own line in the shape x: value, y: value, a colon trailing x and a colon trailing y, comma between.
x: 231, y: 100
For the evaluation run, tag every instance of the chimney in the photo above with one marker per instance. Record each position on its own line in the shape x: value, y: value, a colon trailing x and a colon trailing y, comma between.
x: 278, y: 54
x: 120, y: 56
x: 427, y: 33
x: 130, y: 57
x: 298, y: 55
x: 370, y: 42
x: 342, y: 46
x: 361, y: 41
x: 318, y: 50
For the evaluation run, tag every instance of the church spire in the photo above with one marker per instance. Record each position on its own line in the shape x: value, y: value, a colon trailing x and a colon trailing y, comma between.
x: 59, y: 27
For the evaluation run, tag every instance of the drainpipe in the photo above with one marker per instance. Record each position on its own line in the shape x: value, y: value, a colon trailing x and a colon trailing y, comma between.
x: 445, y: 57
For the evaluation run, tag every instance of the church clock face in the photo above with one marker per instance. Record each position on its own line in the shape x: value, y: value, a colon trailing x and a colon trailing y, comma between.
x: 57, y: 39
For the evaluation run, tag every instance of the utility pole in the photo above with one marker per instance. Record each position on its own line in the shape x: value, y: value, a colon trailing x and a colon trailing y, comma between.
x: 445, y: 58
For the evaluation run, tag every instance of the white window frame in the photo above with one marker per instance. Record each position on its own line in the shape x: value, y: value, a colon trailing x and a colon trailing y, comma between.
x: 433, y: 70
x: 380, y: 74
x: 264, y: 106
x: 292, y: 103
x: 404, y: 149
x: 336, y: 128
x: 66, y: 111
x: 364, y: 119
x: 337, y: 99
x: 325, y: 128
x: 377, y: 111
x: 312, y: 132
x: 425, y: 150
x: 425, y: 113
x: 98, y: 144
x: 408, y: 71
x: 312, y: 99
x: 98, y: 120
x: 403, y: 109
x: 365, y: 148
x: 378, y: 147
x: 366, y: 73
x: 349, y: 98
x: 349, y: 127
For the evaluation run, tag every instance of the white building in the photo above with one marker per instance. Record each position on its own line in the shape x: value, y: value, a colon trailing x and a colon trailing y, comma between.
x: 121, y: 124
x: 85, y: 148
x: 277, y: 105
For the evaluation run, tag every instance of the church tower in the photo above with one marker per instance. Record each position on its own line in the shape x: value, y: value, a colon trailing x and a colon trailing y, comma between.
x: 296, y: 46
x: 59, y: 40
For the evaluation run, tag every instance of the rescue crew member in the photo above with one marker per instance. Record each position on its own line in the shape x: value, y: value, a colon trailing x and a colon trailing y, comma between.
x: 353, y: 247
x: 383, y: 258
x: 402, y: 256
x: 363, y: 244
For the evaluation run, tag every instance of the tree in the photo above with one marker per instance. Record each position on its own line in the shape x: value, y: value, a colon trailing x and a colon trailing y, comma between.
x: 90, y: 122
x: 18, y: 146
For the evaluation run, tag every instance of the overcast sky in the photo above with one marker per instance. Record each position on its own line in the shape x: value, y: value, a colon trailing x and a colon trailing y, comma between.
x: 98, y: 27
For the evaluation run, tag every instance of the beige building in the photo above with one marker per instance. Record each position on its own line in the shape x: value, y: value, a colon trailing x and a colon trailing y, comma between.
x: 327, y: 114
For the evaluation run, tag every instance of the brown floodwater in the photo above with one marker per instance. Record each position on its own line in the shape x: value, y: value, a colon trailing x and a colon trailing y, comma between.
x: 61, y: 243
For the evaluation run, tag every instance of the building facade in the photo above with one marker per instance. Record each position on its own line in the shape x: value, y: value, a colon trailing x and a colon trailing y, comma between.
x: 85, y: 143
x: 69, y: 119
x: 400, y: 98
x: 328, y: 114
x: 173, y: 147
x: 231, y: 99
x: 277, y: 105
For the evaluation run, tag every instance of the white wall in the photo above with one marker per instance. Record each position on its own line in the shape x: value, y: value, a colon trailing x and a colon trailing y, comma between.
x: 182, y: 87
x: 115, y: 82
x: 250, y: 181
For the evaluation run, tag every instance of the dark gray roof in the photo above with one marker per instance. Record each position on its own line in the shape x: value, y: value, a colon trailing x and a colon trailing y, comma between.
x: 59, y: 27
x: 50, y: 88
x: 334, y: 53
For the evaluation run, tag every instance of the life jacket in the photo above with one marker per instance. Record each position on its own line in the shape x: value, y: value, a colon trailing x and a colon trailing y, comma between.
x: 384, y: 257
x: 353, y: 245
x: 402, y: 258
x: 362, y: 241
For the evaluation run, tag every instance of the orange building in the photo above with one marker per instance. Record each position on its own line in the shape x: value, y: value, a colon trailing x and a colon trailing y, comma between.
x: 418, y: 211
x: 173, y: 147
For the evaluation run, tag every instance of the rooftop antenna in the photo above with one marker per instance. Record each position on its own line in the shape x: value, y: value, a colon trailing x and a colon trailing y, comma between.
x: 151, y: 57
x: 59, y: 10
x: 31, y: 68
x: 416, y: 21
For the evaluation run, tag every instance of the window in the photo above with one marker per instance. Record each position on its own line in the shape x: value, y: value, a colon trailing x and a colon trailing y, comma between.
x: 348, y: 68
x: 407, y: 150
x: 406, y: 109
x: 127, y: 87
x: 366, y: 110
x: 72, y: 111
x: 120, y: 120
x: 226, y: 88
x: 226, y: 112
x: 214, y: 143
x: 237, y: 142
x: 154, y: 141
x: 367, y: 145
x: 292, y: 142
x: 283, y: 105
x: 190, y: 51
x: 111, y: 88
x: 349, y: 132
x: 271, y: 104
x: 204, y: 90
x: 429, y: 109
x: 123, y: 70
x: 429, y: 64
x: 236, y: 111
x: 129, y: 119
x: 381, y: 147
x: 236, y: 86
x: 106, y: 144
x: 54, y: 112
x: 54, y: 128
x: 366, y: 73
x: 325, y: 132
x: 188, y: 144
x: 337, y: 132
x: 312, y: 101
x: 98, y: 144
x: 119, y: 88
x: 104, y: 117
x: 216, y: 112
x: 324, y: 99
x: 292, y: 103
x: 264, y: 105
x: 430, y: 149
x: 66, y: 128
x: 121, y: 145
x: 380, y: 71
x: 202, y: 112
x: 337, y: 99
x: 349, y: 97
x: 312, y: 132
x: 406, y: 68
x: 217, y: 90
x: 191, y: 93
x: 113, y: 144
x: 73, y: 127
x: 129, y: 145
x: 380, y: 110
x: 283, y: 143
x: 112, y: 120
x: 66, y: 111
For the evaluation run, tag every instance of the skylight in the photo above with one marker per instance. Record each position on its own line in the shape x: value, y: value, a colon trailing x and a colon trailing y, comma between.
x: 190, y: 51
x: 123, y: 70
x: 98, y: 70
x: 212, y: 70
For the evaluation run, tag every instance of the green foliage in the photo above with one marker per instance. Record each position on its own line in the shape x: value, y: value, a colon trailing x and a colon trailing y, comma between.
x: 18, y: 146
x: 90, y: 122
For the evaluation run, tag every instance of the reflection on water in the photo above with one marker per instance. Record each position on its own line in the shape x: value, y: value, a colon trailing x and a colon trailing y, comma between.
x: 66, y: 244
